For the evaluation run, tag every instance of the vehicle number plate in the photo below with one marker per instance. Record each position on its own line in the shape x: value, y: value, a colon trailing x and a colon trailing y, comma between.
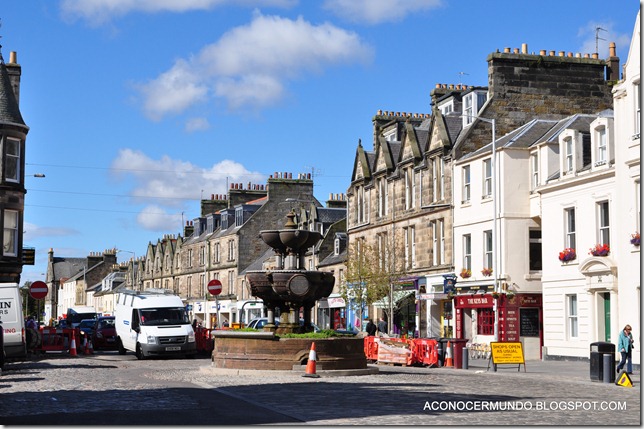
x: 172, y: 349
x: 110, y: 340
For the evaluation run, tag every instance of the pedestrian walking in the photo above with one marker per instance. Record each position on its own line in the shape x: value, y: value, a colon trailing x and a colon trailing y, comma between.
x: 382, y: 326
x: 371, y: 328
x: 625, y: 347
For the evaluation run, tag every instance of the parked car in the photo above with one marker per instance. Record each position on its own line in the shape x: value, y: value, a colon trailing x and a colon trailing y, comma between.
x: 104, y: 334
x: 86, y: 327
x: 259, y: 322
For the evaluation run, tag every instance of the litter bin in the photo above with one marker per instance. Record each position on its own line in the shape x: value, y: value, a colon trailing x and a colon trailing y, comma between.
x: 441, y: 347
x: 458, y: 344
x: 597, y: 368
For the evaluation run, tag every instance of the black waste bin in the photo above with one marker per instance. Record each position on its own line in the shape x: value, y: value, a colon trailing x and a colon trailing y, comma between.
x: 458, y: 344
x: 597, y: 352
x: 441, y: 347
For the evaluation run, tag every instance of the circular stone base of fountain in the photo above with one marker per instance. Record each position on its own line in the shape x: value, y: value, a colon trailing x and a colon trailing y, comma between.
x: 265, y: 351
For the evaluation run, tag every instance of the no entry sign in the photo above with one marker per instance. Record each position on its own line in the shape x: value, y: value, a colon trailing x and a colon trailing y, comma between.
x: 214, y: 287
x: 38, y: 290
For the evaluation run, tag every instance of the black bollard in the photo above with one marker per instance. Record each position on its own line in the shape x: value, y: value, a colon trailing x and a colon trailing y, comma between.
x: 466, y: 356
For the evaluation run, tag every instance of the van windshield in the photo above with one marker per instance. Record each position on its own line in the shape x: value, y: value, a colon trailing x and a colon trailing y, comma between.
x: 163, y: 316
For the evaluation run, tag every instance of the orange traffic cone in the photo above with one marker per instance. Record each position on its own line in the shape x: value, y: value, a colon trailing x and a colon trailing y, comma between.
x: 72, y: 346
x: 448, y: 355
x: 310, y: 364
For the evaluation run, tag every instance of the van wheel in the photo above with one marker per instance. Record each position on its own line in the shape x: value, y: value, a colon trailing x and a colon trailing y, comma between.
x: 139, y: 352
x: 119, y: 344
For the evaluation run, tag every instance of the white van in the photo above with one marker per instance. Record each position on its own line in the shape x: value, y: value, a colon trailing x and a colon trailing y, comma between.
x: 153, y: 323
x: 13, y: 321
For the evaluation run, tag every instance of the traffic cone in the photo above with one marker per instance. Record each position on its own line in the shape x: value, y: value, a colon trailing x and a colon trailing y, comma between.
x: 310, y: 364
x: 448, y: 355
x: 91, y: 347
x: 72, y: 346
x: 86, y: 348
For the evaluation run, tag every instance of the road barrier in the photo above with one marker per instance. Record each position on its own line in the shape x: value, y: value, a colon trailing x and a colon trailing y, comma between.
x: 403, y: 351
x: 204, y: 340
x: 56, y: 339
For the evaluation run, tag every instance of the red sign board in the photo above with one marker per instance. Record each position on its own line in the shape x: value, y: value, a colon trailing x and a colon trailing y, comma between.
x: 214, y: 287
x: 38, y: 290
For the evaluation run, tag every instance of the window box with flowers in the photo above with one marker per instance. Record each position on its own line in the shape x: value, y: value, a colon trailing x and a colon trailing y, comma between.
x: 635, y: 239
x: 567, y: 255
x: 465, y: 273
x: 600, y: 250
x: 487, y: 272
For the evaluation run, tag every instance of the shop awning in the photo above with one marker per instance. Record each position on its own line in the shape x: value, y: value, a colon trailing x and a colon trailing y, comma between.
x: 398, y: 296
x: 332, y: 302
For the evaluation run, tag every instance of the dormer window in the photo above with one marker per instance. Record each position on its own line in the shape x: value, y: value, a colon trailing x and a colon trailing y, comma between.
x: 472, y: 103
x: 390, y: 135
x: 569, y: 154
x: 447, y: 107
x: 602, y: 152
x: 239, y: 216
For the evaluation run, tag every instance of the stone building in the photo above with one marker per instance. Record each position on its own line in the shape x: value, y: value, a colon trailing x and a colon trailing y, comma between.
x: 13, y: 135
x: 403, y: 190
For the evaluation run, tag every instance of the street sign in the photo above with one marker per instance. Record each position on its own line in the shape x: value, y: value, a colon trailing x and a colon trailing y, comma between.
x: 38, y: 290
x: 214, y: 287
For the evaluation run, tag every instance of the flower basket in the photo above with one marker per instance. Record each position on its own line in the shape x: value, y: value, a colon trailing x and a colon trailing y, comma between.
x: 465, y: 273
x: 568, y: 254
x: 495, y: 295
x: 487, y: 272
x: 600, y: 250
x: 450, y: 295
x: 635, y: 239
x: 510, y: 295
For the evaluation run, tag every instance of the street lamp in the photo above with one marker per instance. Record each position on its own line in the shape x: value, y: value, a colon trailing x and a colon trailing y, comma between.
x: 495, y: 270
x: 133, y: 262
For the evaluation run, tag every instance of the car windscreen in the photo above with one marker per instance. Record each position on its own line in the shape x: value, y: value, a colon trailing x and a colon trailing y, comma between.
x: 77, y: 317
x: 106, y: 324
x: 87, y: 324
x: 163, y: 316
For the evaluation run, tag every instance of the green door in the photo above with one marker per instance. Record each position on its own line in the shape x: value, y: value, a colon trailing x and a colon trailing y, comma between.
x: 607, y: 329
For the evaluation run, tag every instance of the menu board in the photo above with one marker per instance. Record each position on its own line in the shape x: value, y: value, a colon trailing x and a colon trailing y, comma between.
x: 529, y: 322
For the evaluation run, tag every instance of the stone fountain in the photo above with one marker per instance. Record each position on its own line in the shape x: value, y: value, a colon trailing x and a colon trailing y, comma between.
x: 288, y: 287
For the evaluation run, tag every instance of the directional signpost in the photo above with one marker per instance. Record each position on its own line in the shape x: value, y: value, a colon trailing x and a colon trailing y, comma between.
x: 214, y: 287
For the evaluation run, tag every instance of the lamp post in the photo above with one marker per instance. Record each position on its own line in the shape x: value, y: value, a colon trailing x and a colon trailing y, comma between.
x: 495, y: 270
x: 134, y: 285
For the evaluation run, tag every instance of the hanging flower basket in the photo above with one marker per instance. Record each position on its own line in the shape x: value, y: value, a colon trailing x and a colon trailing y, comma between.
x: 635, y: 239
x: 510, y: 295
x: 465, y: 273
x: 450, y: 295
x: 600, y: 250
x: 487, y: 272
x: 568, y: 254
x: 495, y: 295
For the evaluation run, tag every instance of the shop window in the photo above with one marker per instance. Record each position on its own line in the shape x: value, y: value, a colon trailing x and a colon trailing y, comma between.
x: 485, y: 321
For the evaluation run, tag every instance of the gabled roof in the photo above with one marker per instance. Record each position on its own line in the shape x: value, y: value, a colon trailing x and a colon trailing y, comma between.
x: 365, y: 160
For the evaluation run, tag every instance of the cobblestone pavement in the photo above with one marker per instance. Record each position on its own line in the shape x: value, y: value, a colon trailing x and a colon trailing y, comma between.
x: 548, y: 393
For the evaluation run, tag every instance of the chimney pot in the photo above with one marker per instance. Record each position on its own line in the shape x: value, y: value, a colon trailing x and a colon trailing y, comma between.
x: 542, y: 52
x: 595, y: 55
x: 524, y: 48
x: 611, y: 50
x: 13, y: 57
x: 562, y: 53
x: 516, y: 50
x: 506, y: 50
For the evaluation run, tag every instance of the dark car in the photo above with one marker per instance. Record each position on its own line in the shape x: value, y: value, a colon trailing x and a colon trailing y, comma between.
x: 104, y: 334
x: 87, y: 326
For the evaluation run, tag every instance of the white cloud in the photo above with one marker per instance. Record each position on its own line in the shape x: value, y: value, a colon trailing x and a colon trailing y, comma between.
x: 248, y: 69
x: 33, y: 231
x: 98, y: 12
x: 173, y: 184
x: 197, y: 124
x: 155, y: 218
x: 378, y: 11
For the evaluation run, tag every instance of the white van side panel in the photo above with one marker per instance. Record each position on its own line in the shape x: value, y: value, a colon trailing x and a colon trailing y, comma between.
x: 13, y: 321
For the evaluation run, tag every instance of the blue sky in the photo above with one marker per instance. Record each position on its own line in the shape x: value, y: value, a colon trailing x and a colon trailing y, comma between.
x: 137, y: 108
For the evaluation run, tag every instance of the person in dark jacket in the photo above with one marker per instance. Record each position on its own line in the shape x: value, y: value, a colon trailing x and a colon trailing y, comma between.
x: 382, y: 326
x: 371, y: 328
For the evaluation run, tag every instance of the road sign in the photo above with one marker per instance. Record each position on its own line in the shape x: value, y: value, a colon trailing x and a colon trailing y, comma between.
x: 38, y: 290
x: 214, y: 287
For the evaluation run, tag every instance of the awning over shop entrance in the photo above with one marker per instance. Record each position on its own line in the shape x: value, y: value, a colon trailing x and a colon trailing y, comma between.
x: 332, y: 302
x: 398, y: 296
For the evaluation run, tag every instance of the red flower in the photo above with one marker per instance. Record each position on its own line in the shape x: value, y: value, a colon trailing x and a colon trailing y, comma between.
x: 600, y: 250
x: 568, y: 254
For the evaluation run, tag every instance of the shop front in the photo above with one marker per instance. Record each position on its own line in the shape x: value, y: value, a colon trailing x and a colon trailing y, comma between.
x: 331, y: 312
x: 520, y: 318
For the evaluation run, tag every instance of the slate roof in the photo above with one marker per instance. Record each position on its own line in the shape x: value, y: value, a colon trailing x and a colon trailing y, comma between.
x: 9, y: 110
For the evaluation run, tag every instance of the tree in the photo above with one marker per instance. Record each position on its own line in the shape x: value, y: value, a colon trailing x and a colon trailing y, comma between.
x: 370, y: 274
